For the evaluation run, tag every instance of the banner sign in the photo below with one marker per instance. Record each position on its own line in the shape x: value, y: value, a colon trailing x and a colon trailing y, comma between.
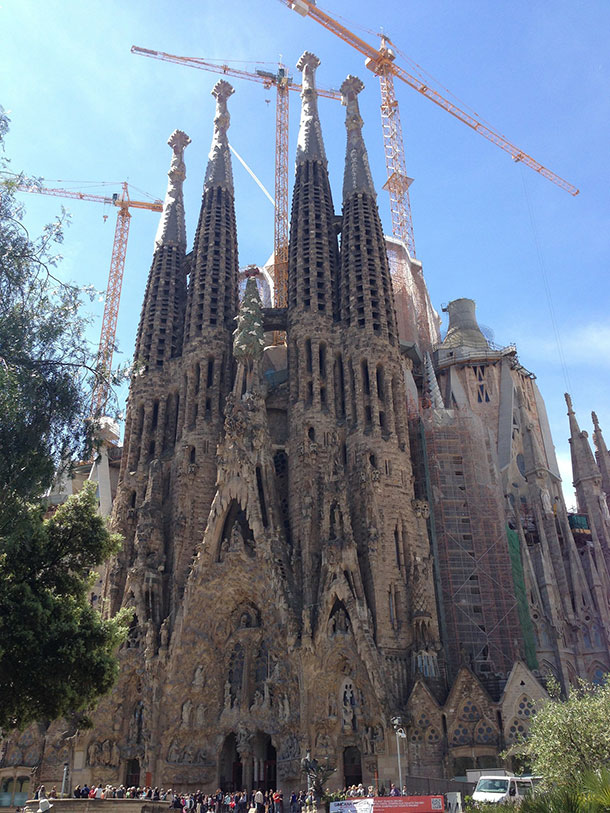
x: 390, y: 804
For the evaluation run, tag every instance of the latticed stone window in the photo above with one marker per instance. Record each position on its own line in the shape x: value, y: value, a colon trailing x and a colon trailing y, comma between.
x: 461, y: 736
x: 485, y: 733
x: 525, y: 707
x: 517, y: 729
x: 470, y: 711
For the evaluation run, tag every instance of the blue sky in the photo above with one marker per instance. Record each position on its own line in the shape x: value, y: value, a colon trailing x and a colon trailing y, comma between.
x: 85, y: 109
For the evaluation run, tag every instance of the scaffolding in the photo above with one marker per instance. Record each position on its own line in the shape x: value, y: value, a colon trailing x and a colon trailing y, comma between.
x: 417, y: 321
x: 479, y: 614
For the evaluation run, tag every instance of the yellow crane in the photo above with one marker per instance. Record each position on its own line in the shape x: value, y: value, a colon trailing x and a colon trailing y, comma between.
x: 115, y: 276
x: 381, y: 61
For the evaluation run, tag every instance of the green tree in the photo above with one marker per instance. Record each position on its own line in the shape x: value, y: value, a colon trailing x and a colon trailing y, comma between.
x: 570, y: 737
x: 56, y: 652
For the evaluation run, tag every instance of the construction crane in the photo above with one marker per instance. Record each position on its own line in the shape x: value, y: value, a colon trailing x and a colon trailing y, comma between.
x: 381, y: 61
x: 115, y: 276
x: 283, y: 83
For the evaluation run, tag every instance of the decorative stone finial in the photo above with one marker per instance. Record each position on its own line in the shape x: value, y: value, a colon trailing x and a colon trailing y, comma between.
x: 595, y: 421
x: 310, y: 146
x: 569, y: 403
x: 172, y: 229
x: 357, y: 176
x: 249, y: 336
x: 219, y: 171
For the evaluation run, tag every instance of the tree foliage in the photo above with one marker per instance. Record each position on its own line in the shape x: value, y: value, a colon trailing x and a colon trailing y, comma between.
x: 570, y: 737
x: 44, y: 357
x: 56, y: 652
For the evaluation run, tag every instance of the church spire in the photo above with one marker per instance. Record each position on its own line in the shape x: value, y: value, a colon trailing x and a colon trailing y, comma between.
x: 366, y: 297
x: 313, y: 255
x: 310, y: 146
x: 161, y: 325
x: 172, y: 230
x: 219, y: 171
x: 212, y: 293
x: 602, y: 455
x: 357, y: 176
x: 584, y: 466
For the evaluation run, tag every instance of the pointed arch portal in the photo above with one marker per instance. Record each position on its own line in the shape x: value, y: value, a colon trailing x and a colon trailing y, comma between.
x: 254, y: 767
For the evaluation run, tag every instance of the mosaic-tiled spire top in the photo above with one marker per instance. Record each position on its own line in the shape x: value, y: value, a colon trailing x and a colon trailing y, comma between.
x: 219, y: 171
x: 310, y: 146
x: 357, y: 176
x: 172, y: 231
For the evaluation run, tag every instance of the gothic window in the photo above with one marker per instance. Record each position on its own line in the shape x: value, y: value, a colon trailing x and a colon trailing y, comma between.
x: 416, y: 736
x: 470, y: 711
x: 461, y: 736
x: 525, y: 707
x: 423, y: 721
x: 485, y: 733
x: 517, y: 730
x: 308, y: 356
x: 322, y: 359
x: 433, y: 736
x: 596, y: 636
x: 599, y: 675
x: 339, y: 387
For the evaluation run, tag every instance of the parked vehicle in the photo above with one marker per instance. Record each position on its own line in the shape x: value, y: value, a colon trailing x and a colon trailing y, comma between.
x: 501, y: 789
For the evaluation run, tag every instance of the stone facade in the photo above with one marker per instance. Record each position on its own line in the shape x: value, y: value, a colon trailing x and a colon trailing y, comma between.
x: 361, y: 523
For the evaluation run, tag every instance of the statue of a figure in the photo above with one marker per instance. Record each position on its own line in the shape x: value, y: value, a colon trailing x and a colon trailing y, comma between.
x: 198, y: 677
x: 236, y: 540
x: 173, y: 754
x: 93, y: 753
x: 228, y: 699
x: 115, y: 758
x: 165, y: 633
x: 200, y: 716
x: 187, y: 708
x: 545, y: 499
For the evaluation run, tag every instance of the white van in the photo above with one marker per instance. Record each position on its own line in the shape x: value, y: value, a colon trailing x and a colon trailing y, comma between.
x: 498, y: 789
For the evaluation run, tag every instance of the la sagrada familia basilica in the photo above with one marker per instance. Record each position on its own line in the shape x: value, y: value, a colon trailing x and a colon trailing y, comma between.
x: 332, y: 517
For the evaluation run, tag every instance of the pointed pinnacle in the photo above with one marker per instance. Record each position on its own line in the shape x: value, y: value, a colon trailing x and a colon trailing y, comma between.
x: 357, y: 177
x: 310, y: 146
x: 568, y: 398
x: 307, y: 64
x: 595, y: 421
x: 219, y: 172
x: 172, y: 230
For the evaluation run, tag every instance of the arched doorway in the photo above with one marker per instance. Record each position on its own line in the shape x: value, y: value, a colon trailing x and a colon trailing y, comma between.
x: 352, y: 766
x: 132, y: 773
x: 230, y: 767
x: 264, y: 762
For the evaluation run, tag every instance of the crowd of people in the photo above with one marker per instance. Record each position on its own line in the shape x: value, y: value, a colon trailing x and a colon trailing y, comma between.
x: 257, y: 801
